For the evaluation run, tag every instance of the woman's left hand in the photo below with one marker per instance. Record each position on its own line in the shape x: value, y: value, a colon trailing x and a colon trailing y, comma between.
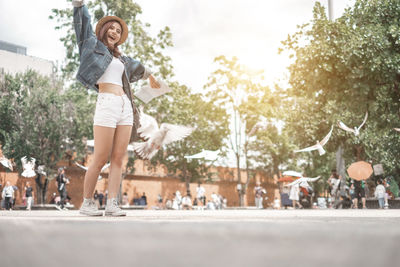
x: 153, y: 82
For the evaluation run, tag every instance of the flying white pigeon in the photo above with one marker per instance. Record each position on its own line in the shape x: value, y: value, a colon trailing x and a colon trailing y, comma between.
x: 303, y: 181
x: 86, y: 168
x: 28, y: 167
x: 157, y: 137
x: 40, y: 170
x: 396, y: 129
x: 355, y: 131
x: 6, y: 162
x: 292, y: 173
x: 205, y: 154
x: 318, y: 146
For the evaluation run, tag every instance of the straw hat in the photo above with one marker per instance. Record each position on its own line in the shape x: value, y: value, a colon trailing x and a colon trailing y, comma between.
x: 106, y: 19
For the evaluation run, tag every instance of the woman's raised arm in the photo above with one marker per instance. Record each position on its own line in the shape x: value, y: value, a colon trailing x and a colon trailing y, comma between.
x: 82, y: 24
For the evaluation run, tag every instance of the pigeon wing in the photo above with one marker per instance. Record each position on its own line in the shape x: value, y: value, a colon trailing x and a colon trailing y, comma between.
x: 174, y: 132
x: 344, y: 127
x: 396, y: 129
x: 148, y: 126
x: 196, y: 156
x: 364, y: 121
x: 81, y: 166
x: 307, y: 179
x: 307, y: 149
x: 298, y: 181
x: 24, y: 161
x: 326, y: 138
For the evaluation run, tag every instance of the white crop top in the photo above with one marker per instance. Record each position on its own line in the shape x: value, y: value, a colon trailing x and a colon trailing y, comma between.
x: 113, y: 73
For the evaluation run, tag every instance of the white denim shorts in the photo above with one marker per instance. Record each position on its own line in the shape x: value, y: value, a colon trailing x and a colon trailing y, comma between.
x: 113, y: 110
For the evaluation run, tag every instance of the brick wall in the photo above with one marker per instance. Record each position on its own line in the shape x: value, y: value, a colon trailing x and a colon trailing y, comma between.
x: 135, y: 185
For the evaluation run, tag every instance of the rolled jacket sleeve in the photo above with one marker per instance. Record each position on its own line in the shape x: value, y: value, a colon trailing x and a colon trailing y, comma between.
x: 136, y: 70
x: 146, y: 74
x: 82, y: 25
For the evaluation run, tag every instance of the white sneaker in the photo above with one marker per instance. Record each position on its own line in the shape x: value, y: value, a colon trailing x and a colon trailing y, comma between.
x: 89, y: 208
x: 112, y: 208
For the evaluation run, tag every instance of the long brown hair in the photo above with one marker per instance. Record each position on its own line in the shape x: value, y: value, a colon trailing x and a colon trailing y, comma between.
x: 102, y: 36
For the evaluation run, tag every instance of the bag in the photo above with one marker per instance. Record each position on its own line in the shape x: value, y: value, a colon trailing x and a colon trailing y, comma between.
x: 136, y: 124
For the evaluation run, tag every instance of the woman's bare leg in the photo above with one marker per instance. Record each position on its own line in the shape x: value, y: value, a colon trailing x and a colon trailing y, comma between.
x: 103, y: 141
x: 121, y: 141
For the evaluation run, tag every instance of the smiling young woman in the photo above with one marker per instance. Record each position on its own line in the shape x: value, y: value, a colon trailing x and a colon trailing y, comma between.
x: 104, y: 69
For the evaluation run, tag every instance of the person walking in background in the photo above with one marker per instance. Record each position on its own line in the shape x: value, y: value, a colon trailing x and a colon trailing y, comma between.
x: 380, y: 192
x: 175, y: 202
x: 286, y: 202
x: 28, y: 195
x: 125, y: 200
x: 101, y: 198
x: 143, y: 199
x: 62, y: 187
x: 178, y: 197
x: 334, y: 185
x: 200, y: 196
x: 359, y: 192
x: 8, y: 195
x: 96, y: 197
x: 386, y: 186
x: 294, y: 195
x: 258, y: 194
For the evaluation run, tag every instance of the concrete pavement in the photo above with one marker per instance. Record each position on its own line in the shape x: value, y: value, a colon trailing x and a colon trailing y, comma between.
x: 202, y: 238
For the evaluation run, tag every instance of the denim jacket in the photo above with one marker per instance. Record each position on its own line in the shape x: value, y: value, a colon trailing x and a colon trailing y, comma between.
x: 95, y: 58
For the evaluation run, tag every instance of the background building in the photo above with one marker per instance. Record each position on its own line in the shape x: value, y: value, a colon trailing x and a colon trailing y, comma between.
x: 13, y: 59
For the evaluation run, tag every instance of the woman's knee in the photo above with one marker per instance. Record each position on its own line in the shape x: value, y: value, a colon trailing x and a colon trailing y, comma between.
x: 117, y: 159
x: 98, y: 164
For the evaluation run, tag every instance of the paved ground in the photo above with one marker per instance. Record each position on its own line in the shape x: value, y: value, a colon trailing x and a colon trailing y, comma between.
x: 202, y: 238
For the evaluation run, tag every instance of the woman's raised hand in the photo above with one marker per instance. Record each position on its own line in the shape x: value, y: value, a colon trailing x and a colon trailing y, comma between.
x: 78, y: 3
x: 153, y: 82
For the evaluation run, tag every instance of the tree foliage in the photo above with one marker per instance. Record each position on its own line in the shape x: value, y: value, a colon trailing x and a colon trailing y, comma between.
x: 342, y: 69
x: 40, y: 120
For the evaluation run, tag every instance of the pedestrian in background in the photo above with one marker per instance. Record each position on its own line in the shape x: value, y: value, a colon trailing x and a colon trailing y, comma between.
x: 380, y: 192
x: 143, y: 200
x: 62, y: 187
x: 125, y: 200
x: 200, y: 195
x: 28, y: 195
x: 101, y: 197
x: 258, y: 193
x: 359, y: 192
x: 8, y: 195
x: 96, y: 197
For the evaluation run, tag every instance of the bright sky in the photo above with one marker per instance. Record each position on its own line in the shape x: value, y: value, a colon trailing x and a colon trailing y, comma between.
x: 202, y: 29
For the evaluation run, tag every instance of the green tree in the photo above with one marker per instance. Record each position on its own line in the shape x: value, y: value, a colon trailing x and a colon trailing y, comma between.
x: 39, y: 121
x: 236, y: 88
x: 342, y: 69
x: 211, y: 127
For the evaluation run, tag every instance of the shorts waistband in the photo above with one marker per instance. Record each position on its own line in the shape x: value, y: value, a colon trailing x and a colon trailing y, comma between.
x: 111, y: 94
